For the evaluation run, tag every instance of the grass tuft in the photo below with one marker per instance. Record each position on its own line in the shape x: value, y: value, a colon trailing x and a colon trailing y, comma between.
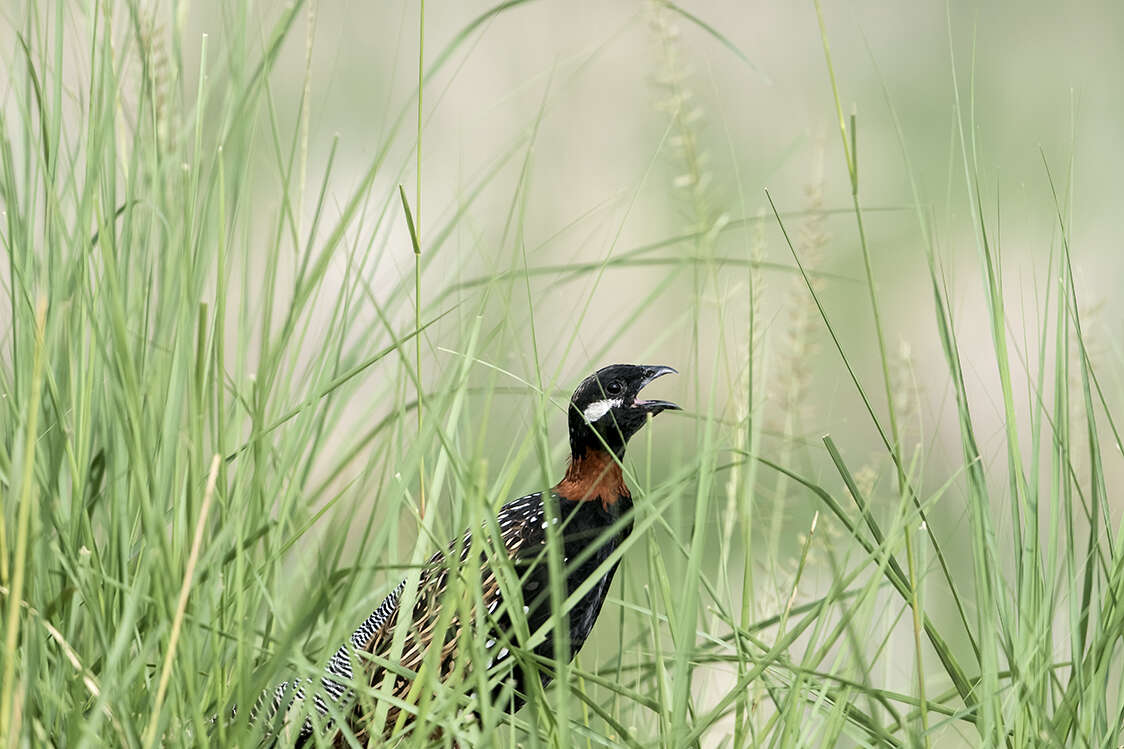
x: 231, y: 421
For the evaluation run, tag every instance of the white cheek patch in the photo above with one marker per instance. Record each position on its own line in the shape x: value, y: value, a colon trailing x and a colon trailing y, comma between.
x: 595, y: 411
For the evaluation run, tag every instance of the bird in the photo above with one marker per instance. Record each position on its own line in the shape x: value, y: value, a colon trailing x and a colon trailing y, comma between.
x: 591, y: 506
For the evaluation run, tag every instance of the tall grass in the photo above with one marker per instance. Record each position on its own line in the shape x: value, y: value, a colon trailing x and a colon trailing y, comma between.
x: 229, y: 424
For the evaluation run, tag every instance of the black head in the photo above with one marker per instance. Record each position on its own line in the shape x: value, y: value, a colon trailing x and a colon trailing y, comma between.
x: 606, y: 409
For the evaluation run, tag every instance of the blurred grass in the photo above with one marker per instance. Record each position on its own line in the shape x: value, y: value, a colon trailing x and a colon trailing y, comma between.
x: 228, y: 369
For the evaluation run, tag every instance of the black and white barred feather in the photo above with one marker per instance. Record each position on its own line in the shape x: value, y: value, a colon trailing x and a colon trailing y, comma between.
x: 519, y: 522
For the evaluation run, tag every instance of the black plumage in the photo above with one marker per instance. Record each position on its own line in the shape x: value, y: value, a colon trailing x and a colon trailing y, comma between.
x: 591, y: 507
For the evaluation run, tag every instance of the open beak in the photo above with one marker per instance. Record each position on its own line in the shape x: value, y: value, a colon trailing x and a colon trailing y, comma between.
x: 654, y: 407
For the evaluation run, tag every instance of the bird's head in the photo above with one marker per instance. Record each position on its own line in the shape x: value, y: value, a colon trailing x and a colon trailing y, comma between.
x: 606, y: 409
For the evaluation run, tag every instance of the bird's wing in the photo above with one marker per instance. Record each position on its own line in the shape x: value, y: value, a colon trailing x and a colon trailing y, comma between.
x: 520, y: 525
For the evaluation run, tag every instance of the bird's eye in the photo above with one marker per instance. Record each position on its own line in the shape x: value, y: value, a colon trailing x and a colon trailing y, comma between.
x: 614, y: 388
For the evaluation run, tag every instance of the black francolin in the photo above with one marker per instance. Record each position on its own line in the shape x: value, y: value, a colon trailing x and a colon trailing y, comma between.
x: 591, y: 506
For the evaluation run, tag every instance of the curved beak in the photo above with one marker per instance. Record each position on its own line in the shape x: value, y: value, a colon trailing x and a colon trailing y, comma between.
x: 655, y: 406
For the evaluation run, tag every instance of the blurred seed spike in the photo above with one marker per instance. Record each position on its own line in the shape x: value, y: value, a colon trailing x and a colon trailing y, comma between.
x: 160, y: 77
x: 793, y: 373
x: 906, y: 388
x: 673, y: 78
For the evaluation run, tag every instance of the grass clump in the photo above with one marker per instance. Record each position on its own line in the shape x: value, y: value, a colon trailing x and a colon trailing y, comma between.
x: 244, y: 391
